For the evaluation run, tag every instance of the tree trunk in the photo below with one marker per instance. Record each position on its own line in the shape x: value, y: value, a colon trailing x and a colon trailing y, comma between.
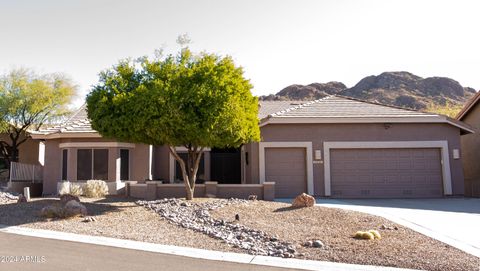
x: 189, y: 169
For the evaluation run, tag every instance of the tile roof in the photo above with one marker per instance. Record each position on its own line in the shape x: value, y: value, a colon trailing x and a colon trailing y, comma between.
x: 343, y: 107
x: 266, y: 108
x: 331, y: 107
x: 340, y: 109
x: 78, y: 122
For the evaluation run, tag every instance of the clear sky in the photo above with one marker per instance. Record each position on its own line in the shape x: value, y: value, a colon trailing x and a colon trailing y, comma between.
x: 277, y: 42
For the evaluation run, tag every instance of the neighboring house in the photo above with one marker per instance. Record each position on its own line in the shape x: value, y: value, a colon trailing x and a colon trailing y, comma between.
x: 470, y: 114
x: 28, y: 153
x: 335, y: 146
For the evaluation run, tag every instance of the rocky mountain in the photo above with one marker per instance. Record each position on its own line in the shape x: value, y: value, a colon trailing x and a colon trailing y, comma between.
x: 306, y: 93
x: 402, y: 89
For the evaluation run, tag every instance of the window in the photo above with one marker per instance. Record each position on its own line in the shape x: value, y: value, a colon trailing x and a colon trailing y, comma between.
x: 92, y: 164
x: 64, y: 164
x: 100, y: 164
x: 124, y: 165
x: 84, y: 164
x: 200, y: 172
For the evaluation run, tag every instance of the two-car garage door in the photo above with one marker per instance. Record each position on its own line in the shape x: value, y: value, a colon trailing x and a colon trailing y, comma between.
x: 361, y: 173
x: 386, y: 173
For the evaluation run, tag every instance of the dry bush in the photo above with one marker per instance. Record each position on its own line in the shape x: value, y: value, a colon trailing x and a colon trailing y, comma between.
x: 95, y: 189
x: 76, y: 190
x: 64, y: 188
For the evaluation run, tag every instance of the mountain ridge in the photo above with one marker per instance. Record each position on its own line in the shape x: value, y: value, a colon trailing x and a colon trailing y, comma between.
x: 400, y: 88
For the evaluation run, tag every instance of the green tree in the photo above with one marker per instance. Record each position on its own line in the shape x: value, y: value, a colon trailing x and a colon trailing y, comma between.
x: 195, y: 101
x: 28, y: 100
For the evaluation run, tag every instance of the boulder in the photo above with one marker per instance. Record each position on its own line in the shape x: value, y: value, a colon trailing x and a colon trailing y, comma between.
x: 74, y: 208
x: 68, y: 197
x: 303, y: 200
x: 51, y: 211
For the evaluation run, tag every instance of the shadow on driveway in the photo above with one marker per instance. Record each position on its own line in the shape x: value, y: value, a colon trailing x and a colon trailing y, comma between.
x: 458, y: 205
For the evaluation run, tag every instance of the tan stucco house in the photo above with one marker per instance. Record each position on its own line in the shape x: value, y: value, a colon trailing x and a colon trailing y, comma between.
x: 470, y: 114
x: 333, y: 147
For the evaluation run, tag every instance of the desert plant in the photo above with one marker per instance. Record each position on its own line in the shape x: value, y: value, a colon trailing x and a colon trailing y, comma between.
x: 76, y: 189
x: 64, y: 188
x: 376, y: 234
x: 95, y: 189
x: 368, y: 235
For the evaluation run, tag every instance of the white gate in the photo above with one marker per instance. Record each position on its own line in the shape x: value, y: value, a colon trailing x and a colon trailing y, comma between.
x: 26, y: 172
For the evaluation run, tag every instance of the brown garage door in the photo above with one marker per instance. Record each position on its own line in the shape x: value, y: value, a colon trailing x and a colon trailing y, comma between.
x: 386, y: 173
x: 287, y: 168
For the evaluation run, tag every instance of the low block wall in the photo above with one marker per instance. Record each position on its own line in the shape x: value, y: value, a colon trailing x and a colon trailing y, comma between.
x: 136, y: 190
x: 155, y: 190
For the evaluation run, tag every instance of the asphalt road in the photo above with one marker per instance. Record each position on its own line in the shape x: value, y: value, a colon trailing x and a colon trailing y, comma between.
x: 49, y: 254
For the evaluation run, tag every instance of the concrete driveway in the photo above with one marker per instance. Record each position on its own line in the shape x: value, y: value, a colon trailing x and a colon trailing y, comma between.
x: 455, y: 221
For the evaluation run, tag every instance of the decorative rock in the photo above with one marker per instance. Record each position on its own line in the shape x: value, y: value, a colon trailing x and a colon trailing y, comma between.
x: 21, y: 199
x: 7, y: 197
x: 68, y: 197
x: 318, y: 243
x: 74, y: 208
x: 303, y: 200
x: 196, y: 216
x: 89, y: 219
x: 308, y: 244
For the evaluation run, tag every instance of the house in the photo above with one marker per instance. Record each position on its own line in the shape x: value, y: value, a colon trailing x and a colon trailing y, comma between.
x: 29, y: 152
x: 470, y: 114
x: 336, y: 146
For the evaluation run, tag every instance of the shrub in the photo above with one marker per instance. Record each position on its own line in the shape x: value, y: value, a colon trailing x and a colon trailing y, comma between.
x: 95, y: 189
x: 376, y: 234
x: 76, y: 189
x: 64, y: 188
x: 368, y: 235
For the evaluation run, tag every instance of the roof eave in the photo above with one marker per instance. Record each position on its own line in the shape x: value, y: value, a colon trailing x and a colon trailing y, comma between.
x: 332, y: 120
x: 86, y: 134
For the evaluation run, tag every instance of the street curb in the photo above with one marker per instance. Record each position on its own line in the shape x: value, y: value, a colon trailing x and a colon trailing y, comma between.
x: 194, y: 252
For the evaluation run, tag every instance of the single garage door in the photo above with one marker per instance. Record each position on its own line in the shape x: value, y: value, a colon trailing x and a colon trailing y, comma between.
x: 287, y: 168
x: 386, y: 173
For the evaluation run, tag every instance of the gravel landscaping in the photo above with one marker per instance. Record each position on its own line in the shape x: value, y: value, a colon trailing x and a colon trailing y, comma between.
x: 399, y: 246
x: 256, y: 227
x: 196, y: 216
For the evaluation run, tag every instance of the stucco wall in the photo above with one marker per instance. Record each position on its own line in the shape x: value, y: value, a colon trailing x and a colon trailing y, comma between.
x: 161, y: 163
x: 471, y: 153
x: 319, y: 133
